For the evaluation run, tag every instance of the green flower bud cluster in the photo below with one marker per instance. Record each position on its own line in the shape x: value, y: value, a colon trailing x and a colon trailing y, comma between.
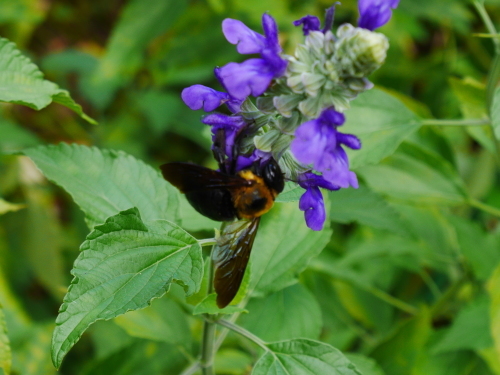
x: 331, y: 71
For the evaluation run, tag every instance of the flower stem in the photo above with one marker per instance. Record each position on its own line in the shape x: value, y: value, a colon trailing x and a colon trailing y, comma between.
x: 466, y: 122
x: 242, y: 331
x: 207, y: 344
x: 488, y: 23
x: 207, y: 242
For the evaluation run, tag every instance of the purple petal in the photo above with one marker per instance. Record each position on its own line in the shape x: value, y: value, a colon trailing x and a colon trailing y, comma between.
x: 219, y: 119
x: 349, y: 140
x: 251, y: 77
x: 199, y: 96
x: 311, y: 202
x: 335, y: 168
x: 310, y: 142
x: 247, y: 40
x: 309, y: 180
x: 309, y: 23
x: 271, y: 32
x: 331, y: 117
x: 375, y: 13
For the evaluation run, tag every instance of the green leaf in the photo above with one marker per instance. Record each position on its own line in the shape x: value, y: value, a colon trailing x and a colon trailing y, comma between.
x: 291, y: 193
x: 295, y: 313
x: 105, y: 182
x: 495, y: 113
x: 164, y: 321
x: 365, y: 365
x: 282, y: 249
x: 365, y: 207
x: 470, y: 329
x: 21, y: 82
x: 471, y: 95
x: 493, y: 287
x: 209, y: 306
x: 416, y: 175
x: 382, y: 122
x: 5, y: 352
x: 9, y: 207
x: 232, y: 362
x: 15, y: 137
x: 127, y: 44
x: 123, y: 265
x: 303, y: 357
x: 401, y: 351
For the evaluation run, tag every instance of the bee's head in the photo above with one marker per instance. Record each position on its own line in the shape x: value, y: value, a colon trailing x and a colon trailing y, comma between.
x: 272, y: 175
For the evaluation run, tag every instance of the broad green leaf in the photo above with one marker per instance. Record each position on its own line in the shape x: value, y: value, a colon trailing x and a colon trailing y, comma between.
x: 9, y: 207
x: 382, y: 122
x: 401, y: 351
x: 123, y: 265
x: 470, y: 329
x: 162, y: 321
x: 365, y: 365
x: 291, y: 193
x: 21, y: 82
x: 124, y: 52
x: 295, y: 313
x: 142, y: 357
x: 105, y: 182
x: 282, y: 249
x: 416, y: 175
x: 365, y: 207
x: 209, y: 306
x: 108, y: 338
x: 495, y: 113
x: 303, y: 357
x: 494, y: 292
x: 5, y: 352
x: 472, y: 97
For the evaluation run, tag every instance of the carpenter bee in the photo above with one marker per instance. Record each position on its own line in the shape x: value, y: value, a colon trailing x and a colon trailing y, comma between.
x: 239, y: 199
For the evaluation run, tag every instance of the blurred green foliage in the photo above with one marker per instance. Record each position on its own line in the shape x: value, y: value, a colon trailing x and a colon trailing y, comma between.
x: 408, y: 281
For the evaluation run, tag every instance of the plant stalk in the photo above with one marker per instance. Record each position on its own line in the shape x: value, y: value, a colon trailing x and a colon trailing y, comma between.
x: 465, y: 122
x: 208, y: 341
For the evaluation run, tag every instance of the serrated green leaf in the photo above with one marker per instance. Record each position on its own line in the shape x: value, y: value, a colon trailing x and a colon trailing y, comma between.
x: 209, y: 306
x: 123, y: 265
x: 282, y: 249
x: 291, y: 193
x: 5, y: 352
x: 131, y: 35
x: 164, y: 321
x: 382, y: 122
x: 470, y: 329
x: 303, y: 357
x: 493, y: 287
x: 21, y: 82
x: 365, y: 365
x: 295, y: 313
x: 105, y: 182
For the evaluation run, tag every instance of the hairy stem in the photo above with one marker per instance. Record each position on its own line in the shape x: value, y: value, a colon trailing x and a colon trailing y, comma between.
x: 242, y: 331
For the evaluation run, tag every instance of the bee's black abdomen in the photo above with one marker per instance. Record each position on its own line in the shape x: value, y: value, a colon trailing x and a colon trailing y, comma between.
x: 215, y: 204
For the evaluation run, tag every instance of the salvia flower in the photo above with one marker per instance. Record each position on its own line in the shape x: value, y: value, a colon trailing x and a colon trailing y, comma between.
x: 318, y: 143
x: 253, y: 76
x: 300, y: 102
x: 311, y: 202
x: 375, y: 13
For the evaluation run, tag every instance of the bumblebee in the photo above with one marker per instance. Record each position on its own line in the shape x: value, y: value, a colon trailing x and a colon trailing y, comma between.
x: 239, y: 199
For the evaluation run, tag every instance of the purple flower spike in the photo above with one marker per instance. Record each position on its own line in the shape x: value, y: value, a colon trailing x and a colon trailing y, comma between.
x: 311, y: 202
x: 253, y: 76
x: 318, y: 142
x: 229, y: 126
x: 309, y: 23
x: 199, y: 96
x: 375, y: 13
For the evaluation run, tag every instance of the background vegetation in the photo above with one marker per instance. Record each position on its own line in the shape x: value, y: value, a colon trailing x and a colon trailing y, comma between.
x: 408, y: 282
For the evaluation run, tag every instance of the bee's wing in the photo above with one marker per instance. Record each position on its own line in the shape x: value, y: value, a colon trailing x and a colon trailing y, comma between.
x: 231, y: 256
x: 191, y: 177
